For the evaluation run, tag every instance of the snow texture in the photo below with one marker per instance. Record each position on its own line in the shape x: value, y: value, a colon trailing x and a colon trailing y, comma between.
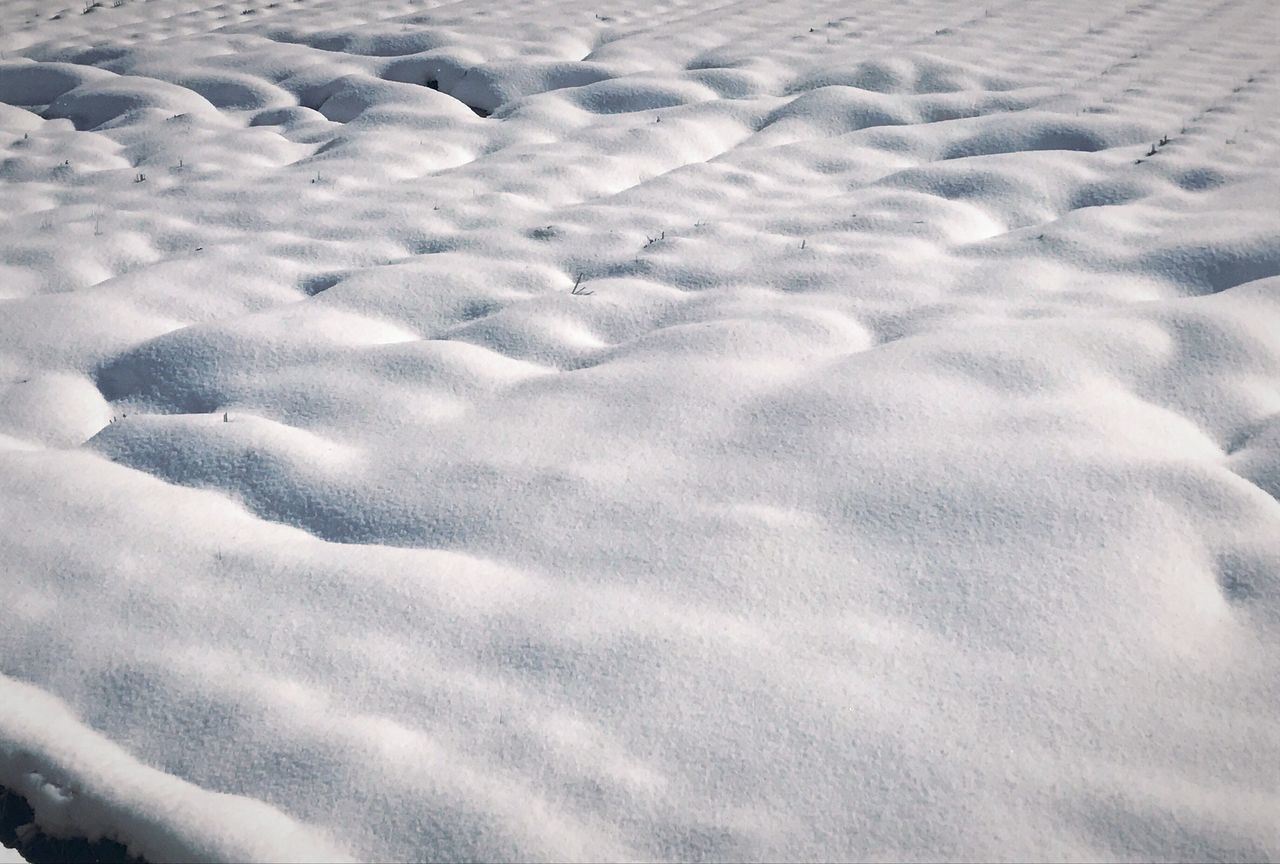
x: 526, y: 429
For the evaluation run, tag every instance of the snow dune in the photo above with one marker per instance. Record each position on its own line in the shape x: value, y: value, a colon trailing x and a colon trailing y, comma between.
x: 539, y: 430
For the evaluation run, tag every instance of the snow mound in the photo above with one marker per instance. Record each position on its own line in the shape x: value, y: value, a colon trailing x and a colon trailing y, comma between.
x: 486, y: 88
x: 25, y: 82
x: 93, y: 105
x: 54, y: 409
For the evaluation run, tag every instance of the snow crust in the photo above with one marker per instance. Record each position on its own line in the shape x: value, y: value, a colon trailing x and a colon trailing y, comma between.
x: 518, y: 429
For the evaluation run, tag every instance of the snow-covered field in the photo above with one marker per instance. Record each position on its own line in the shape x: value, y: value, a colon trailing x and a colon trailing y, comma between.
x: 703, y: 429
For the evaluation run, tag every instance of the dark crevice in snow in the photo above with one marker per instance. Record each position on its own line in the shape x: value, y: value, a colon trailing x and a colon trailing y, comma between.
x: 318, y: 284
x: 17, y: 831
x: 433, y: 84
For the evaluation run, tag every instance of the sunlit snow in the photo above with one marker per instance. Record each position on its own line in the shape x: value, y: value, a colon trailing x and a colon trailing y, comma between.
x: 541, y: 430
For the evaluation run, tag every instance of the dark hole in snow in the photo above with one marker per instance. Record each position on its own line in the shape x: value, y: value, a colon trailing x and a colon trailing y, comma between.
x: 17, y: 832
x: 434, y: 84
x: 323, y: 282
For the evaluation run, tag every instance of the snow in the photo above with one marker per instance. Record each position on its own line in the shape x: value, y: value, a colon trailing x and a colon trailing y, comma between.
x: 114, y: 795
x: 545, y: 430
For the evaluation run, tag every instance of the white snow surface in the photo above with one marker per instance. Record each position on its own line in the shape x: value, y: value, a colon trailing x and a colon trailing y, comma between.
x: 900, y: 480
x: 165, y: 818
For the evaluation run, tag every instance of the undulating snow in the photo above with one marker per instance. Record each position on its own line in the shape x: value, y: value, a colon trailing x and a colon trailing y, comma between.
x: 534, y: 429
